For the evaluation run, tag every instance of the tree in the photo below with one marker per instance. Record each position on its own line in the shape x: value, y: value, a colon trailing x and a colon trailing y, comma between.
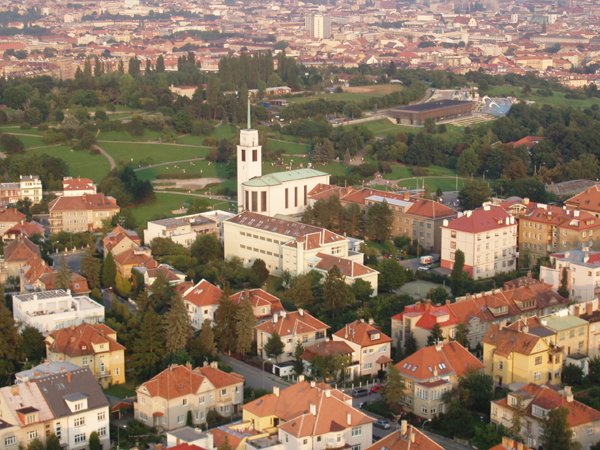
x: 244, y: 327
x: 572, y: 375
x: 391, y: 275
x: 517, y: 419
x: 206, y: 248
x: 594, y: 370
x: 410, y: 345
x: 53, y: 443
x: 225, y: 324
x: 109, y: 271
x: 33, y: 344
x: 457, y: 277
x: 11, y: 144
x: 10, y: 345
x: 123, y: 285
x: 94, y: 443
x: 563, y: 289
x: 468, y: 162
x: 336, y: 293
x: 462, y: 335
x: 149, y: 348
x: 488, y: 435
x: 298, y: 363
x: 259, y: 273
x: 362, y: 290
x: 435, y: 335
x: 36, y: 444
x: 474, y: 193
x: 556, y: 434
x: 63, y: 278
x: 300, y: 292
x: 393, y: 389
x: 90, y: 268
x: 379, y: 221
x: 160, y: 64
x: 477, y: 391
x: 274, y: 346
x: 178, y: 327
x: 203, y: 346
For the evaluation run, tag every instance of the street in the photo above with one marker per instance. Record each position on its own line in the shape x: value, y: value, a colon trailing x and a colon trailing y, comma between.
x: 255, y: 378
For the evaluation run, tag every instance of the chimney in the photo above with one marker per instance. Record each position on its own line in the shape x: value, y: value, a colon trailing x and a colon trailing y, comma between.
x: 276, y: 391
x: 214, y: 365
x: 275, y: 317
x: 349, y: 419
x: 300, y: 311
x: 283, y: 314
x: 371, y: 321
x: 576, y: 213
x: 412, y: 437
x: 438, y: 346
x: 327, y: 393
x: 313, y: 409
x: 205, y: 364
x: 300, y: 378
x: 313, y: 383
x: 403, y: 427
x: 188, y: 365
x: 525, y: 329
x: 589, y: 308
x: 526, y: 201
x: 568, y: 393
x: 68, y: 375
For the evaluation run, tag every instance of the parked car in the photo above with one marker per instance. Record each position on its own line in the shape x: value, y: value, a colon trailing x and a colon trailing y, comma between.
x: 423, y: 268
x: 382, y: 423
x: 376, y: 388
x: 360, y: 392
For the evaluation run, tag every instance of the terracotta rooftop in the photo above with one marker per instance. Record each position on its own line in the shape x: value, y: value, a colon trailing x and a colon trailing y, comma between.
x: 93, y: 202
x: 588, y: 200
x: 412, y: 439
x: 288, y: 323
x: 347, y: 267
x: 11, y: 215
x: 362, y: 334
x: 481, y: 220
x: 80, y: 340
x: 257, y: 298
x: 326, y: 349
x: 203, y: 293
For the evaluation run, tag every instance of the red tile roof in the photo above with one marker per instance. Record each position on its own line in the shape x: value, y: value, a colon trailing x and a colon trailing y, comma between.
x: 11, y: 215
x: 257, y: 298
x: 117, y: 235
x: 327, y: 348
x: 132, y: 257
x: 413, y: 439
x: 363, y: 334
x: 218, y: 378
x: 430, y: 315
x: 431, y: 209
x: 588, y: 200
x: 79, y: 340
x: 87, y: 202
x: 481, y: 220
x: 78, y: 184
x: 77, y: 283
x: 292, y: 323
x: 347, y: 267
x: 436, y: 361
x: 563, y: 218
x: 203, y: 293
x: 21, y: 249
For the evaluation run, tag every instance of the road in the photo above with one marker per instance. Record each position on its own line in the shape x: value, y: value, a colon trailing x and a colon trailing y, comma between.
x: 108, y: 156
x: 73, y: 260
x: 255, y: 378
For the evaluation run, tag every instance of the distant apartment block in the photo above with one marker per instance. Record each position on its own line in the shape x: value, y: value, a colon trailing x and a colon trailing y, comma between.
x: 52, y: 310
x: 81, y: 213
x: 28, y: 187
x: 185, y: 229
x: 318, y: 26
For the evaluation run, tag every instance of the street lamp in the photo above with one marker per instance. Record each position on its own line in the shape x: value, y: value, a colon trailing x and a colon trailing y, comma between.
x: 423, y: 424
x: 119, y: 435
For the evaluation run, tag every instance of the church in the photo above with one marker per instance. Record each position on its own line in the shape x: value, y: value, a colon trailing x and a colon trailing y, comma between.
x: 279, y: 193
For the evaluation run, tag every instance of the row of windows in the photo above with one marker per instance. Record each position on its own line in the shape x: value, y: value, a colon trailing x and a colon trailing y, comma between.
x: 257, y: 250
x: 262, y: 238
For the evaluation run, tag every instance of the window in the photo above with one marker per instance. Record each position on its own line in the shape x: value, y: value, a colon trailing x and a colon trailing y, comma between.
x: 243, y: 155
x: 538, y: 360
x: 84, y: 361
x: 223, y: 392
x: 184, y: 402
x: 500, y: 365
x: 31, y: 435
x: 254, y: 155
x: 287, y: 201
x: 255, y: 201
x: 79, y: 421
x: 304, y: 441
x: 180, y: 419
x: 263, y: 201
x: 11, y: 440
x: 305, y: 195
x: 58, y: 430
x: 453, y: 234
x: 79, y: 438
x: 102, y: 432
x: 356, y: 431
x: 537, y: 376
x: 247, y: 200
x: 356, y: 447
x: 368, y: 366
x: 296, y: 196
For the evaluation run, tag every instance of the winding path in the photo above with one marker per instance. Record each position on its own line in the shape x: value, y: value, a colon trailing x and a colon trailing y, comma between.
x: 108, y: 156
x: 151, y: 166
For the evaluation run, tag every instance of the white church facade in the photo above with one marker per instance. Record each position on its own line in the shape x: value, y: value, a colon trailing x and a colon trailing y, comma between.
x: 279, y: 193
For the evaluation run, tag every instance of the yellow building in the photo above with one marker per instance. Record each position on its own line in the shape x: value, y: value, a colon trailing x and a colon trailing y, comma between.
x: 92, y: 346
x: 571, y: 333
x: 521, y: 354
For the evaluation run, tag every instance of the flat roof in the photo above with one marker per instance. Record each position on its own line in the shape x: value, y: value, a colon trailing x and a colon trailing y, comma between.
x: 273, y: 179
x: 564, y: 323
x: 391, y: 201
x: 187, y: 434
x: 431, y: 106
x: 42, y: 295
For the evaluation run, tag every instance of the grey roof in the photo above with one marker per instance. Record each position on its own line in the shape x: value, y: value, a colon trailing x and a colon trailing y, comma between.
x: 273, y: 179
x: 46, y: 369
x: 72, y: 385
x: 431, y: 106
x: 75, y: 397
x: 187, y: 434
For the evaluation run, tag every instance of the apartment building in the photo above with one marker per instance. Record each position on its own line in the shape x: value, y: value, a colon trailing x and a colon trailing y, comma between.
x: 165, y: 400
x: 487, y: 237
x: 76, y: 187
x: 293, y: 247
x: 185, y: 229
x: 91, y: 346
x: 582, y: 270
x: 533, y: 403
x: 10, y: 217
x: 432, y: 371
x: 522, y: 297
x: 550, y: 229
x: 293, y: 327
x: 309, y: 416
x: 69, y: 404
x: 82, y: 213
x: 28, y: 187
x: 371, y: 349
x: 571, y: 333
x: 521, y: 354
x: 52, y: 310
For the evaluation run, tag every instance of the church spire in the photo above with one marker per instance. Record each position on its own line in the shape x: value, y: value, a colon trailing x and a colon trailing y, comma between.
x: 249, y: 113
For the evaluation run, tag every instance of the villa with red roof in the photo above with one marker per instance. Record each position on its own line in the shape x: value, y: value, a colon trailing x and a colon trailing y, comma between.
x: 76, y: 187
x: 293, y: 327
x: 588, y: 200
x: 164, y: 401
x: 263, y: 304
x: 201, y: 301
x: 431, y: 372
x: 536, y: 402
x: 487, y: 237
x: 407, y: 437
x: 83, y: 213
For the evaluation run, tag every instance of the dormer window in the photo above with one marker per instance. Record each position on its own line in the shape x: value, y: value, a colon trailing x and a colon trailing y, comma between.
x: 538, y: 411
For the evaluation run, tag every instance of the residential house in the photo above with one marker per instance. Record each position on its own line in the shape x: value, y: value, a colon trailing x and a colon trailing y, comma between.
x: 237, y: 435
x: 310, y: 416
x: 522, y: 297
x: 43, y: 370
x: 293, y: 247
x: 165, y: 400
x: 571, y: 333
x: 52, y: 310
x: 28, y: 187
x: 407, y: 437
x: 487, y: 237
x: 69, y: 404
x: 91, y: 346
x: 18, y: 255
x: 9, y: 218
x: 25, y: 229
x: 119, y: 240
x: 76, y: 187
x: 534, y: 402
x: 83, y: 213
x: 587, y: 201
x: 551, y: 229
x: 329, y: 349
x: 150, y: 275
x: 293, y: 327
x: 264, y: 305
x: 582, y: 271
x: 185, y: 229
x: 48, y: 282
x: 432, y: 371
x: 591, y: 314
x: 134, y: 257
x: 201, y: 301
x: 521, y: 354
x: 371, y: 348
x: 193, y: 437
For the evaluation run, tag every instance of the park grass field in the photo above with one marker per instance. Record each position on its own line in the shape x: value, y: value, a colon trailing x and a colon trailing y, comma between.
x: 151, y: 153
x: 353, y: 93
x: 148, y: 136
x: 16, y: 129
x: 165, y: 203
x: 557, y: 99
x: 81, y: 163
x: 193, y: 169
x: 289, y: 147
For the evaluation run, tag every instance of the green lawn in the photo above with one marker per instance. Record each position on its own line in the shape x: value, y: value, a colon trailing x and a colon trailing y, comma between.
x: 384, y: 127
x: 293, y: 148
x: 193, y: 169
x: 165, y: 204
x: 151, y: 153
x: 81, y: 163
x: 120, y: 391
x: 149, y: 135
x: 16, y: 129
x: 557, y: 99
x: 375, y: 91
x: 433, y: 183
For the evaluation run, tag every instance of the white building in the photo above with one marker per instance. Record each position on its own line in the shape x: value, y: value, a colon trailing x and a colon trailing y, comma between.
x: 318, y: 26
x: 28, y: 186
x: 76, y: 187
x: 293, y: 247
x: 185, y: 229
x: 582, y: 271
x: 488, y: 238
x: 52, y: 310
x: 276, y: 193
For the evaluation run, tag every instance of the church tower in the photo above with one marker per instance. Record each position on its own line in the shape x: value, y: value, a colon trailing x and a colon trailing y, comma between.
x: 249, y: 158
